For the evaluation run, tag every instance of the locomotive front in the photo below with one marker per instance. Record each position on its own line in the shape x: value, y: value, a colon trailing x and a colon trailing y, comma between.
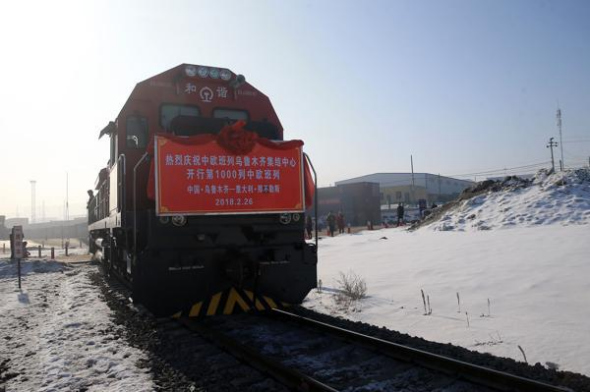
x: 200, y: 208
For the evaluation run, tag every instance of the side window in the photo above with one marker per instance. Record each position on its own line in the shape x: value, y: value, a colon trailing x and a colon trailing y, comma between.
x: 136, y: 132
x: 231, y: 114
x: 169, y: 112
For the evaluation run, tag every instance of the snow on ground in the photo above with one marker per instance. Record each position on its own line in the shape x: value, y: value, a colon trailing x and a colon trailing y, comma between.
x: 57, y: 335
x: 525, y: 249
x: 533, y: 272
x: 562, y: 198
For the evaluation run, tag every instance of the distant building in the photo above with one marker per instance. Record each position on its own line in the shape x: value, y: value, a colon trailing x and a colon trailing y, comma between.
x: 359, y: 202
x: 400, y: 188
x: 11, y: 222
x: 74, y: 228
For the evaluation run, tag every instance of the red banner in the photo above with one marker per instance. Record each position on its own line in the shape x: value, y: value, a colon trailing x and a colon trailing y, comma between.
x: 205, y: 178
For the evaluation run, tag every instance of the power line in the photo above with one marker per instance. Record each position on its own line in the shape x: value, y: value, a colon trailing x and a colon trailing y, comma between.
x: 530, y: 166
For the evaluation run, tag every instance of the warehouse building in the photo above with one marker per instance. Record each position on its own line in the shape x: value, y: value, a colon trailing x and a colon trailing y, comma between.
x: 408, y: 188
x: 375, y: 196
x: 359, y: 202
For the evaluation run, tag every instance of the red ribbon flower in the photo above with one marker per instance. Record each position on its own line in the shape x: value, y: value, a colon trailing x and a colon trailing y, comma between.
x: 236, y: 139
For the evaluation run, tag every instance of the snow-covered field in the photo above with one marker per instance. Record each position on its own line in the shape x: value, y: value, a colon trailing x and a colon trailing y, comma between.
x: 526, y: 250
x: 56, y: 334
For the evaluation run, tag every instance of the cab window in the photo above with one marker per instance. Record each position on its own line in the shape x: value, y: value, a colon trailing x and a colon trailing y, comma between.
x: 231, y: 114
x: 136, y: 132
x: 169, y: 112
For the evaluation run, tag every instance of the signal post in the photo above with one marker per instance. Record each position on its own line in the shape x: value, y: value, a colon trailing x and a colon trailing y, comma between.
x: 17, y: 243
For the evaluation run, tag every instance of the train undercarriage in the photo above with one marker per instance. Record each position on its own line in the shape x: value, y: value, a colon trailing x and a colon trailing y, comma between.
x: 202, y: 265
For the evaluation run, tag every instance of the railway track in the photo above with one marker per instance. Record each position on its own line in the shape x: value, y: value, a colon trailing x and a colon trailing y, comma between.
x: 307, y: 355
x: 281, y: 351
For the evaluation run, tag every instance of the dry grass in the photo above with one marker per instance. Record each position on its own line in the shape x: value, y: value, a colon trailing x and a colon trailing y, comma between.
x: 352, y: 289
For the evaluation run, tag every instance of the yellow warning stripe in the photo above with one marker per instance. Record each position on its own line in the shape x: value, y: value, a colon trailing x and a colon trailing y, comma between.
x: 258, y: 304
x: 270, y: 302
x: 213, y: 304
x: 233, y: 298
x: 195, y: 310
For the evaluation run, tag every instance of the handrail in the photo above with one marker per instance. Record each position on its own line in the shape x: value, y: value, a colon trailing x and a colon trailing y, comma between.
x: 143, y: 158
x: 123, y: 187
x: 315, y: 197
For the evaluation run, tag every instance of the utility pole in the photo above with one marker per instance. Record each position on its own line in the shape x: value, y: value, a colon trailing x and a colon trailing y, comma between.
x: 67, y: 211
x: 33, y: 202
x: 561, y: 162
x: 412, y: 164
x: 550, y: 146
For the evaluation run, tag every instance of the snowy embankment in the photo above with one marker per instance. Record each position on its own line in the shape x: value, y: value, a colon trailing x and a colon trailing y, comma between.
x: 559, y: 199
x: 534, y: 273
x: 56, y: 333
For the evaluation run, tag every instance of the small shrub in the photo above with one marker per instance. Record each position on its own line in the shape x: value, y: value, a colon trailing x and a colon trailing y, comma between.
x: 352, y: 289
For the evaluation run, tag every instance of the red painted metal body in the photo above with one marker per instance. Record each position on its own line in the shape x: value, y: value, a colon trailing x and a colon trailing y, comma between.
x: 193, y: 263
x: 175, y: 87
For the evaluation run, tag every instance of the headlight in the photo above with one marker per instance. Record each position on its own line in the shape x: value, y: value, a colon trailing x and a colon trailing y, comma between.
x: 203, y: 72
x: 190, y: 70
x: 225, y: 75
x: 285, y: 219
x: 164, y: 220
x: 296, y: 217
x: 214, y: 73
x: 179, y: 220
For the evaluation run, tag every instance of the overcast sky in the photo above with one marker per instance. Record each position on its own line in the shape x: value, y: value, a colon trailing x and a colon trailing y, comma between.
x: 464, y: 86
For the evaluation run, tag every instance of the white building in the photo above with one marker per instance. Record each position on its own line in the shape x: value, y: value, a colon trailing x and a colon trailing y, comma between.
x: 409, y: 188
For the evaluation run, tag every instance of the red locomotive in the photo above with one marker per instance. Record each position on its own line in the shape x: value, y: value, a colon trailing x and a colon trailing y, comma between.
x: 200, y: 208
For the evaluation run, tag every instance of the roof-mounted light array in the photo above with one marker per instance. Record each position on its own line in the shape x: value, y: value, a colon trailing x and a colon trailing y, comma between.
x: 208, y: 72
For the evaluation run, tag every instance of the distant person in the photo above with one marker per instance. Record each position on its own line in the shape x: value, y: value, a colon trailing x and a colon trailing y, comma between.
x: 400, y: 214
x: 308, y: 226
x: 340, y: 222
x: 331, y: 224
x: 421, y: 207
x: 11, y: 246
x: 25, y: 251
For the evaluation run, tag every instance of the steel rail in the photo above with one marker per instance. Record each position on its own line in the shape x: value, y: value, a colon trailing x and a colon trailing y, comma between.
x: 291, y: 378
x: 474, y: 373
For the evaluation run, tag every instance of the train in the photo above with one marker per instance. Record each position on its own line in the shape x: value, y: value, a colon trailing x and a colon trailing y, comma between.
x: 200, y: 208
